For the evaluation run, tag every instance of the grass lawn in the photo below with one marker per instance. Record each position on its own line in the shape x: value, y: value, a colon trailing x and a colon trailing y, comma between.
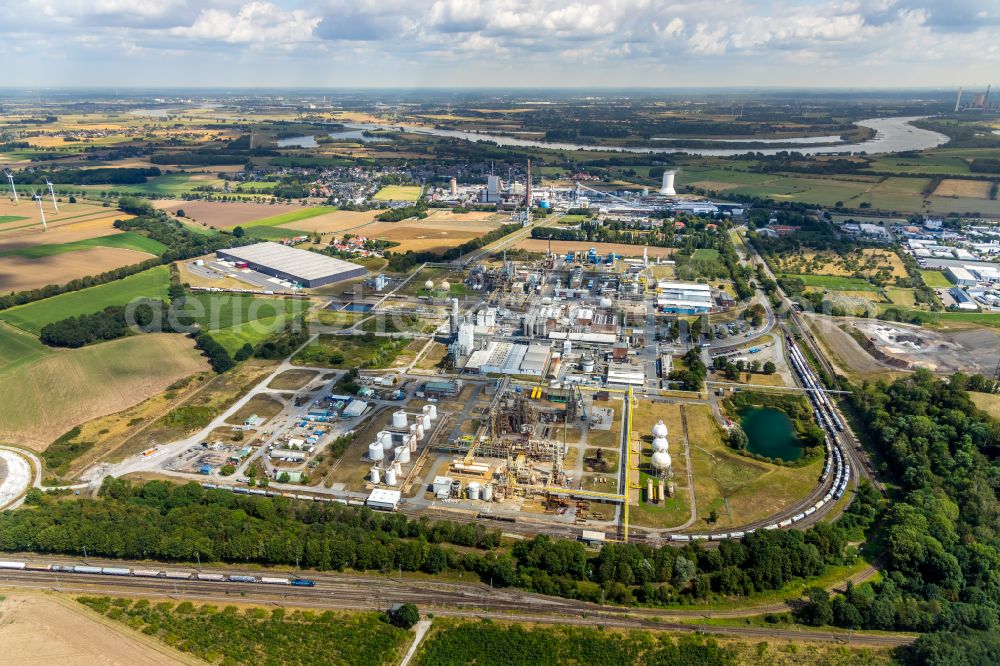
x: 988, y: 402
x: 834, y: 283
x: 33, y: 316
x: 705, y: 254
x: 900, y: 296
x: 303, y: 213
x: 218, y: 311
x: 18, y: 347
x: 935, y: 279
x: 128, y: 240
x: 398, y: 193
x: 4, y: 219
x: 272, y: 233
x: 355, y: 351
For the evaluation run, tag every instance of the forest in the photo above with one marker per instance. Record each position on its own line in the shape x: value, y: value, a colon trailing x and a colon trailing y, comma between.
x: 941, y: 540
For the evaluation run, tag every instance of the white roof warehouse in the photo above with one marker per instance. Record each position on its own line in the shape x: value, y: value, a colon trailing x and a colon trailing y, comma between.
x: 309, y: 269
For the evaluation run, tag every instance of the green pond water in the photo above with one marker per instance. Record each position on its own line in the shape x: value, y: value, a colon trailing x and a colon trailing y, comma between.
x: 771, y: 434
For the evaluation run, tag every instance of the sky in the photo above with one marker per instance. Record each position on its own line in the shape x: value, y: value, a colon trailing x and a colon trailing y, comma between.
x: 499, y: 43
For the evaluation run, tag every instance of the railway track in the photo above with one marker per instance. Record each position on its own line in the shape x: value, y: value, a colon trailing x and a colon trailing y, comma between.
x: 455, y: 600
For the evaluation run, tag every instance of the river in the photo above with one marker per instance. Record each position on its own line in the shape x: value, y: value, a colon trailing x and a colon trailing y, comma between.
x: 892, y: 135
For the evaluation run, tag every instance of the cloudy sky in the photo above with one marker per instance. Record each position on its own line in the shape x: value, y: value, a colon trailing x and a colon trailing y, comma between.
x: 660, y: 43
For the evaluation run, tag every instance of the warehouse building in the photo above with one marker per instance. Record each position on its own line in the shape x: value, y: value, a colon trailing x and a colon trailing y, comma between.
x: 960, y: 276
x: 506, y: 358
x: 307, y: 269
x: 683, y: 297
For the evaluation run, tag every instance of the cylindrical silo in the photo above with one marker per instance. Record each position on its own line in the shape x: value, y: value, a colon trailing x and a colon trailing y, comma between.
x: 473, y: 489
x: 387, y: 443
x: 375, y: 475
x: 432, y: 411
x: 425, y: 421
x: 398, y: 466
x: 399, y: 419
x: 420, y: 430
x: 390, y: 476
x: 411, y: 444
x: 402, y: 454
x: 488, y: 492
x: 375, y: 451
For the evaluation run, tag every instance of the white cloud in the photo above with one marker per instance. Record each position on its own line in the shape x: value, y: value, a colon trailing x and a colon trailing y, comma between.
x: 254, y: 23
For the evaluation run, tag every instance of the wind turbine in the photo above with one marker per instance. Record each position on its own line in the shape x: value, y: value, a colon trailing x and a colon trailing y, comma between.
x: 38, y: 197
x: 13, y: 189
x: 53, y: 193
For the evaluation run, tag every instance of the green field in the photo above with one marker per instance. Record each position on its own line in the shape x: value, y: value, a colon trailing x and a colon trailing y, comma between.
x: 705, y: 254
x: 4, y: 219
x: 935, y: 279
x: 33, y: 316
x: 351, y: 351
x: 834, y: 283
x: 235, y: 320
x: 303, y: 213
x: 170, y: 184
x: 18, y: 347
x: 272, y: 233
x: 128, y: 240
x: 398, y: 193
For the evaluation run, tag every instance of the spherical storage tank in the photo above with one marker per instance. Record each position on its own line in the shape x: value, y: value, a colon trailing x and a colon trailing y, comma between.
x: 473, y: 489
x: 660, y: 444
x: 375, y: 451
x: 429, y: 284
x: 660, y: 429
x: 399, y: 419
x: 605, y: 302
x: 445, y: 286
x: 661, y: 460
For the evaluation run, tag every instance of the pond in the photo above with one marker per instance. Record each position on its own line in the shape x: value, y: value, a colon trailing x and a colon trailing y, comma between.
x: 771, y: 434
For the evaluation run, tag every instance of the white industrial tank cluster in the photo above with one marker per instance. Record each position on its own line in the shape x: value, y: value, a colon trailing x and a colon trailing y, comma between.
x: 398, y: 444
x: 661, y: 458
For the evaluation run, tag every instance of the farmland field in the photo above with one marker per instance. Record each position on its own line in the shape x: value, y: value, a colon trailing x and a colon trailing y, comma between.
x: 834, y: 283
x: 295, y: 215
x: 868, y: 261
x: 398, y: 193
x: 975, y: 189
x: 128, y: 240
x: 221, y: 214
x: 351, y: 351
x: 55, y: 390
x: 19, y: 273
x: 33, y: 316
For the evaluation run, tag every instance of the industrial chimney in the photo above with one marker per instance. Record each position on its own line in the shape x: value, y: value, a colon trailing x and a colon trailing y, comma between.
x: 527, y: 188
x: 668, y: 184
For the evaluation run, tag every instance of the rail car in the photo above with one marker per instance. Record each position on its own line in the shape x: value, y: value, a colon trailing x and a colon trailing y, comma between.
x: 156, y: 573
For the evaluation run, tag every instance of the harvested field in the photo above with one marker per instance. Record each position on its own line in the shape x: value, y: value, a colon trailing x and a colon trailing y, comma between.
x: 868, y: 261
x: 57, y: 390
x: 291, y: 380
x: 66, y: 232
x: 260, y: 405
x: 336, y: 222
x: 221, y: 214
x: 973, y: 189
x: 539, y: 245
x: 21, y: 273
x: 420, y: 238
x: 39, y: 630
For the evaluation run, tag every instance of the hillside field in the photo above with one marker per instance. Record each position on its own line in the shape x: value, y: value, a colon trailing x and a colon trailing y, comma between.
x: 48, y: 392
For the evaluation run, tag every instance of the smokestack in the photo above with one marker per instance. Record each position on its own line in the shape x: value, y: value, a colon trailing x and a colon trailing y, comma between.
x: 527, y: 188
x: 986, y: 99
x: 958, y: 102
x: 454, y: 316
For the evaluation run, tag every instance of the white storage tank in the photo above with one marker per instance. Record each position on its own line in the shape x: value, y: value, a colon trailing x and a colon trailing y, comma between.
x: 375, y: 475
x: 390, y: 476
x: 420, y: 430
x: 445, y: 286
x: 399, y: 419
x: 387, y: 445
x: 473, y: 489
x: 488, y: 492
x: 567, y: 347
x: 429, y: 285
x: 661, y: 460
x: 660, y: 444
x: 660, y: 429
x: 402, y: 454
x: 425, y: 421
x: 411, y: 443
x: 398, y: 466
x: 432, y: 411
x: 375, y: 451
x: 442, y: 485
x: 605, y: 302
x: 588, y: 364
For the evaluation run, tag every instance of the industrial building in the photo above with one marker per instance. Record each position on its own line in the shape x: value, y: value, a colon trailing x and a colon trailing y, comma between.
x: 960, y: 276
x: 384, y: 499
x: 505, y: 358
x: 307, y: 269
x: 683, y: 297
